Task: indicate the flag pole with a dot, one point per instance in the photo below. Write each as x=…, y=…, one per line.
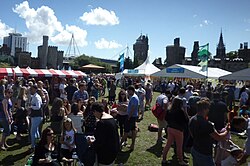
x=207, y=62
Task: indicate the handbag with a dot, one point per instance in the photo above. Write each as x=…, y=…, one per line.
x=158, y=112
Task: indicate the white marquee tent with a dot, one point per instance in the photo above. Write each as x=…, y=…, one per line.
x=188, y=71
x=145, y=69
x=243, y=75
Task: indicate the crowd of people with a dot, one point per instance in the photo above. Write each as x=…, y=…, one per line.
x=201, y=122
x=196, y=117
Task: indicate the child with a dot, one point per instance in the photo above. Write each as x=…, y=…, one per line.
x=67, y=141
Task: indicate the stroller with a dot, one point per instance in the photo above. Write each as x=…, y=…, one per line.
x=85, y=154
x=227, y=153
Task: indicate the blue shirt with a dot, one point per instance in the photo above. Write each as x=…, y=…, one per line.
x=80, y=95
x=134, y=101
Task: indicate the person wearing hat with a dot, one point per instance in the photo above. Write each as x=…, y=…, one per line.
x=106, y=142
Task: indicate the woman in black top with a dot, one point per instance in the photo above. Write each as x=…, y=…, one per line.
x=21, y=113
x=176, y=118
x=57, y=115
x=106, y=144
x=46, y=153
x=89, y=117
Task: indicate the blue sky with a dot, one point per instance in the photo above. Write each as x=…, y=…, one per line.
x=103, y=28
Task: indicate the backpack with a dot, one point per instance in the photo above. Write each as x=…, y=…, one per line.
x=158, y=112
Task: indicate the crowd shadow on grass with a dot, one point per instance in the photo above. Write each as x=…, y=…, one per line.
x=122, y=157
x=156, y=149
x=11, y=159
x=15, y=145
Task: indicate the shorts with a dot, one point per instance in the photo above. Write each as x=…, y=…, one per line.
x=130, y=124
x=162, y=124
x=6, y=127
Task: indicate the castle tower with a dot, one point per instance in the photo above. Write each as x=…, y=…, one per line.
x=140, y=50
x=175, y=54
x=43, y=53
x=221, y=50
x=194, y=54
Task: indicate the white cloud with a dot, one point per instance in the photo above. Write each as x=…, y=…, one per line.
x=100, y=16
x=195, y=15
x=104, y=44
x=39, y=22
x=248, y=30
x=64, y=37
x=5, y=29
x=42, y=21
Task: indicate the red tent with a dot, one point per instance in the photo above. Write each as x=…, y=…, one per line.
x=6, y=72
x=26, y=72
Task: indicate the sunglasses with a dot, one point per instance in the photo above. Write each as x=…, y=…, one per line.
x=123, y=94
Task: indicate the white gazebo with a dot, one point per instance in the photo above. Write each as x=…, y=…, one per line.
x=145, y=69
x=188, y=71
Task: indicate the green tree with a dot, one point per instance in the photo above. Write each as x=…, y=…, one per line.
x=85, y=60
x=232, y=54
x=5, y=65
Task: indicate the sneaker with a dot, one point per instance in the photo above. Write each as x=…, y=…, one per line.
x=186, y=156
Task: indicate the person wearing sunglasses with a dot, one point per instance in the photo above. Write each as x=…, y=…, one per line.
x=46, y=152
x=6, y=118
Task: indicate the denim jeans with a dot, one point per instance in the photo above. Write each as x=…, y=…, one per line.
x=201, y=159
x=34, y=130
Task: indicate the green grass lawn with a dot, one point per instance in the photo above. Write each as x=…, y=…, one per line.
x=146, y=152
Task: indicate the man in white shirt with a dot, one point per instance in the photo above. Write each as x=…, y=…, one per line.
x=62, y=86
x=35, y=115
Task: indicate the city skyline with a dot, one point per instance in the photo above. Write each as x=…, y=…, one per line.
x=104, y=28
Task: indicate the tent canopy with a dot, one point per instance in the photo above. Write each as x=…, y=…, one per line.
x=188, y=71
x=145, y=69
x=26, y=72
x=91, y=66
x=238, y=75
x=5, y=72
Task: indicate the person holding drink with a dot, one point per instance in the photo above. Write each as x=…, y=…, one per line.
x=46, y=151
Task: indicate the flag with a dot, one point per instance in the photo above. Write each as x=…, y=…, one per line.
x=121, y=60
x=203, y=55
